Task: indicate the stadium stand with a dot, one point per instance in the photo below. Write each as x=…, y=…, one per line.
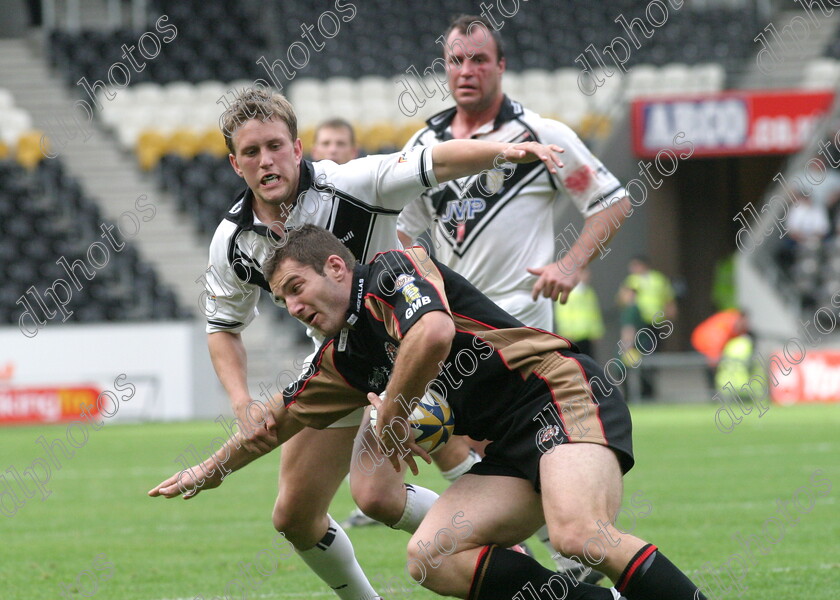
x=45, y=197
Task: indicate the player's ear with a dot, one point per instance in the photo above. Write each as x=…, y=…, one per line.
x=298, y=150
x=235, y=165
x=335, y=265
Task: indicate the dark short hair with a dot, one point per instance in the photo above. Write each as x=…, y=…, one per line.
x=463, y=22
x=310, y=246
x=336, y=123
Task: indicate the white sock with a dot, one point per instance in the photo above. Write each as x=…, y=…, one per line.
x=455, y=472
x=563, y=563
x=418, y=501
x=332, y=559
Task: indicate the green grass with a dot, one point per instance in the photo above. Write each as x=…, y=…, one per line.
x=703, y=487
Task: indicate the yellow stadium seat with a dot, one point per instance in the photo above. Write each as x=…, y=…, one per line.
x=183, y=142
x=406, y=130
x=307, y=137
x=151, y=146
x=4, y=150
x=28, y=150
x=213, y=142
x=594, y=125
x=375, y=137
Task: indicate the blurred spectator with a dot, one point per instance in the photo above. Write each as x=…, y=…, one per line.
x=335, y=140
x=580, y=318
x=738, y=362
x=646, y=296
x=723, y=285
x=654, y=292
x=808, y=221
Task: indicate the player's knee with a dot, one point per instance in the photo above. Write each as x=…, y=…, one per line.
x=572, y=540
x=298, y=529
x=380, y=499
x=384, y=508
x=421, y=564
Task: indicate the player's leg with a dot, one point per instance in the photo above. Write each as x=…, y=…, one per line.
x=312, y=466
x=581, y=494
x=453, y=459
x=379, y=491
x=459, y=549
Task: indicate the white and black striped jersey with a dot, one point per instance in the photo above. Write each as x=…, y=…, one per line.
x=358, y=202
x=490, y=227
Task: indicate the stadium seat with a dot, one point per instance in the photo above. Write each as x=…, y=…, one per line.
x=7, y=101
x=183, y=142
x=28, y=152
x=151, y=146
x=821, y=73
x=213, y=142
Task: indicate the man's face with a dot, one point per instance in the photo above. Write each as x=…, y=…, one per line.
x=268, y=159
x=318, y=301
x=637, y=267
x=333, y=143
x=475, y=82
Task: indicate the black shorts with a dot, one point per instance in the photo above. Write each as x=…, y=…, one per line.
x=560, y=409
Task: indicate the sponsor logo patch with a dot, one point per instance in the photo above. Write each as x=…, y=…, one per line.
x=549, y=433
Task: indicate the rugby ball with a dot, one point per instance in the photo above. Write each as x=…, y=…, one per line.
x=432, y=421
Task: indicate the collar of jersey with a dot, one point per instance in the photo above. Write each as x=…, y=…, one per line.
x=357, y=294
x=439, y=123
x=245, y=217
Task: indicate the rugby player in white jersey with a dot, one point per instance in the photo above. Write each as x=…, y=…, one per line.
x=358, y=202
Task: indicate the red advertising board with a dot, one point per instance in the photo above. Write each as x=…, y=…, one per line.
x=815, y=380
x=20, y=405
x=743, y=123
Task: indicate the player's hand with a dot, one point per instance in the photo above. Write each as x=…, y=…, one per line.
x=188, y=482
x=257, y=432
x=394, y=449
x=553, y=282
x=527, y=152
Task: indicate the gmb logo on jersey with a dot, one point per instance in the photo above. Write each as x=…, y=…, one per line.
x=416, y=305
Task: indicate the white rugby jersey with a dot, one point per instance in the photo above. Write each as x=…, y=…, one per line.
x=489, y=228
x=358, y=202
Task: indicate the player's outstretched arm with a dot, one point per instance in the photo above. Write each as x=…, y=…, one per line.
x=557, y=279
x=227, y=352
x=232, y=456
x=459, y=158
x=423, y=347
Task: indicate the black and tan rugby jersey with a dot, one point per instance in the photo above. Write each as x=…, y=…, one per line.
x=497, y=371
x=491, y=227
x=358, y=202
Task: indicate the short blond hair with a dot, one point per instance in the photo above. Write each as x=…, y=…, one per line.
x=254, y=103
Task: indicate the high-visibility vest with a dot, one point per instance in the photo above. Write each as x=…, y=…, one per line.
x=736, y=364
x=653, y=292
x=580, y=318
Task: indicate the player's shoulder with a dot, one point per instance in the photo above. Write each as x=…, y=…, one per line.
x=546, y=127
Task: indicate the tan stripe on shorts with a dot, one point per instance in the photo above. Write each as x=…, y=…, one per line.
x=572, y=398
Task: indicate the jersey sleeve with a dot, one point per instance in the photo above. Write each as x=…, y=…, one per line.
x=391, y=181
x=416, y=217
x=229, y=303
x=408, y=286
x=584, y=178
x=321, y=395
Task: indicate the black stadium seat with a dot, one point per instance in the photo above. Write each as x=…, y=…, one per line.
x=33, y=236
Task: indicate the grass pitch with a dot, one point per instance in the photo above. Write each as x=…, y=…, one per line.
x=698, y=494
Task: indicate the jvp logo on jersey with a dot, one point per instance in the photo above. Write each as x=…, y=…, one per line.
x=463, y=210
